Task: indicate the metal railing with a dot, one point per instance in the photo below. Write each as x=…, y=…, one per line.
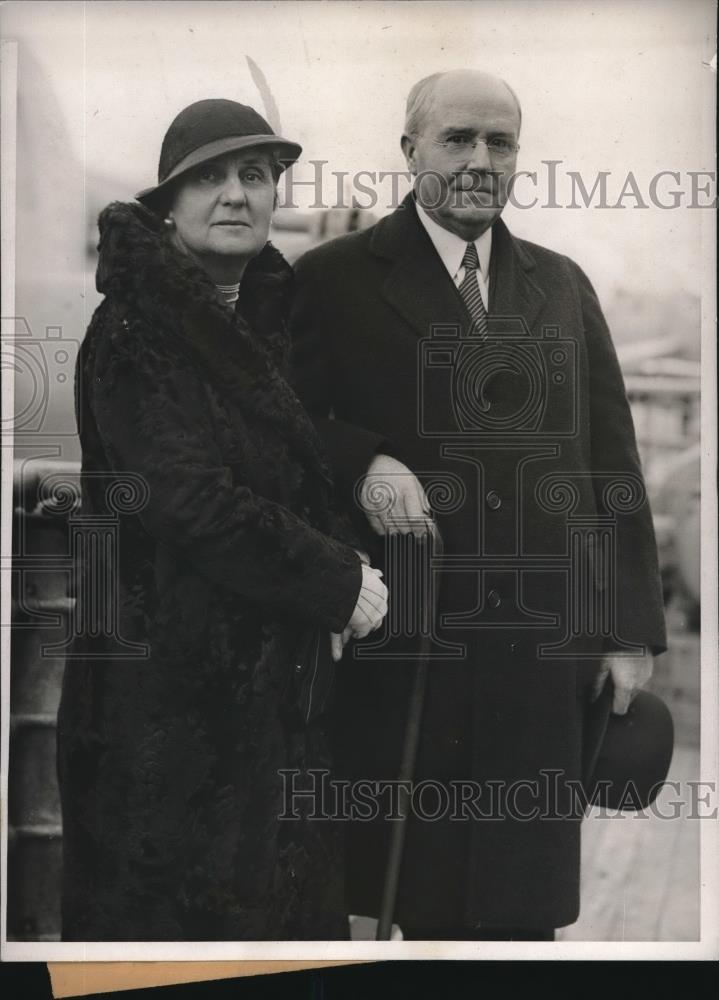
x=42, y=605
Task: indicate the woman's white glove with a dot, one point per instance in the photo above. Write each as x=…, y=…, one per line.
x=370, y=609
x=371, y=606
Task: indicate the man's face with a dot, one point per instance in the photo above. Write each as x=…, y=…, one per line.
x=463, y=184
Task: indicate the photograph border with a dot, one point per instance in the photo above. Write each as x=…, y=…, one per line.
x=191, y=951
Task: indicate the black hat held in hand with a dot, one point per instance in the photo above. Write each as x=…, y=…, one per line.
x=627, y=757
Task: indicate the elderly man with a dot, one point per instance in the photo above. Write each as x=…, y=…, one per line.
x=469, y=376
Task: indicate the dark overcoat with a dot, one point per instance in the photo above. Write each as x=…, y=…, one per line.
x=525, y=446
x=205, y=546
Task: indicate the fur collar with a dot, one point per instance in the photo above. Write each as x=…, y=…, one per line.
x=244, y=352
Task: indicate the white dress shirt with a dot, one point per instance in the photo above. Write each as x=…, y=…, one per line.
x=451, y=251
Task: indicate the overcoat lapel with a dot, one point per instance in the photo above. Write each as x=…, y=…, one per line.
x=417, y=284
x=420, y=289
x=512, y=290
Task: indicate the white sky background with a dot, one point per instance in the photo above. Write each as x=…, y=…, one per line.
x=604, y=86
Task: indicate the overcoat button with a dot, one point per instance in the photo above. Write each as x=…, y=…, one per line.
x=494, y=501
x=493, y=599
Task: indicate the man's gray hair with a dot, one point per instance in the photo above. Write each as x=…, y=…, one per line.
x=419, y=102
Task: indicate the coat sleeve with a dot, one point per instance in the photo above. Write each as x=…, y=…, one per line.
x=636, y=581
x=153, y=418
x=350, y=447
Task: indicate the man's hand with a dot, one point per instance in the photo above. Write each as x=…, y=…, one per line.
x=629, y=675
x=393, y=500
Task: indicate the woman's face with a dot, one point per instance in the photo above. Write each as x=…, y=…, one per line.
x=222, y=208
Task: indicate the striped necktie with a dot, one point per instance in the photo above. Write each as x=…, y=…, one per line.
x=469, y=290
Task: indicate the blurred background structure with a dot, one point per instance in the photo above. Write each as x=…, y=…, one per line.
x=97, y=86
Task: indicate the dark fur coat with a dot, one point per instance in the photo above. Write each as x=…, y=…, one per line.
x=205, y=479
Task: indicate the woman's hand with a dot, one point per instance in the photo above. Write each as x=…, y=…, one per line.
x=369, y=612
x=371, y=606
x=339, y=641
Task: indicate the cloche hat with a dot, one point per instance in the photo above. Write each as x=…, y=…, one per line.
x=207, y=129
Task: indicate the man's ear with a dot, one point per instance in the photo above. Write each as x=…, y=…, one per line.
x=408, y=148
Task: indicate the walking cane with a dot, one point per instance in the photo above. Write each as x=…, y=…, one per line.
x=409, y=758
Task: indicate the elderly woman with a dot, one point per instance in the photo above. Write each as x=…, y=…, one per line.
x=230, y=571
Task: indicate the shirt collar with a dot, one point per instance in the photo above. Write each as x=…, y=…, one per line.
x=451, y=248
